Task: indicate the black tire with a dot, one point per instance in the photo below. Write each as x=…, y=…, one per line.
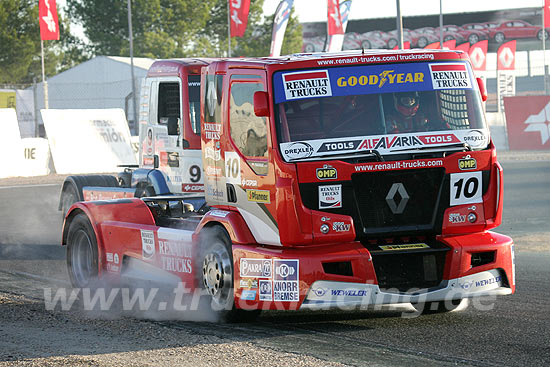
x=499, y=37
x=473, y=38
x=539, y=35
x=82, y=254
x=429, y=308
x=392, y=42
x=366, y=45
x=309, y=48
x=216, y=276
x=448, y=38
x=69, y=197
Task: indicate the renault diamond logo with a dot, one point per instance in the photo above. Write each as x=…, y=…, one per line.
x=390, y=198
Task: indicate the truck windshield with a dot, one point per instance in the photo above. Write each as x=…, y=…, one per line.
x=388, y=108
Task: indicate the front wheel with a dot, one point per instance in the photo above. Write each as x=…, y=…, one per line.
x=540, y=33
x=217, y=275
x=499, y=37
x=82, y=255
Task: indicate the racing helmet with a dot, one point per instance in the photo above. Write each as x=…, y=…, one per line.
x=407, y=103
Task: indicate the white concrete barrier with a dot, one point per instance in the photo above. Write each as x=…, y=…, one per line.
x=36, y=157
x=10, y=147
x=88, y=141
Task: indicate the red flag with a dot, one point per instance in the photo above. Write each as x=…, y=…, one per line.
x=506, y=56
x=478, y=55
x=238, y=12
x=334, y=18
x=463, y=47
x=47, y=18
x=546, y=13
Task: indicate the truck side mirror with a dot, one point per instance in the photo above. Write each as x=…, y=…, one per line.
x=261, y=104
x=173, y=126
x=482, y=89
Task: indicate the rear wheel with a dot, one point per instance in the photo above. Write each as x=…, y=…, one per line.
x=82, y=255
x=499, y=37
x=69, y=198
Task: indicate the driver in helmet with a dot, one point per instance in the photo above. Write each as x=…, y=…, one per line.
x=406, y=117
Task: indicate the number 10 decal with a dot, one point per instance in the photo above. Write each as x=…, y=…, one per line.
x=233, y=168
x=466, y=188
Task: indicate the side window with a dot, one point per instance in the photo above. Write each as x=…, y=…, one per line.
x=168, y=102
x=194, y=91
x=248, y=131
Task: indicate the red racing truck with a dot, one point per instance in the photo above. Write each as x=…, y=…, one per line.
x=331, y=180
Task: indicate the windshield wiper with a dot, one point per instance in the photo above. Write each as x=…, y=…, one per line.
x=456, y=146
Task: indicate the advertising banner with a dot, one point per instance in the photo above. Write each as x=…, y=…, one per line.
x=10, y=149
x=528, y=122
x=279, y=26
x=88, y=141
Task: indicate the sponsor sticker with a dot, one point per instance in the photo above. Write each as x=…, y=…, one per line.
x=297, y=150
x=147, y=244
x=211, y=153
x=212, y=130
x=248, y=283
x=266, y=290
x=408, y=246
x=467, y=163
x=285, y=280
x=450, y=76
x=330, y=196
x=349, y=292
x=219, y=213
x=307, y=84
x=457, y=218
x=466, y=188
x=109, y=257
x=327, y=172
x=255, y=268
x=248, y=295
x=176, y=255
x=476, y=139
x=112, y=268
x=186, y=187
x=258, y=196
x=116, y=259
x=340, y=227
x=173, y=159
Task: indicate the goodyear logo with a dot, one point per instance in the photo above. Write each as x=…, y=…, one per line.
x=467, y=163
x=409, y=246
x=327, y=173
x=386, y=76
x=258, y=196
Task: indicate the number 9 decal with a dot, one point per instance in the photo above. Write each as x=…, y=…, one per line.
x=466, y=188
x=195, y=173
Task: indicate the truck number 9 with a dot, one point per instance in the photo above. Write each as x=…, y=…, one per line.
x=195, y=172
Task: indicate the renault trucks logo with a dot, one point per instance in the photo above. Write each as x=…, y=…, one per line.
x=397, y=202
x=450, y=76
x=385, y=77
x=307, y=84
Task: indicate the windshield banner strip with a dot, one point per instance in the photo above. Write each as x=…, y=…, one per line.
x=384, y=144
x=369, y=79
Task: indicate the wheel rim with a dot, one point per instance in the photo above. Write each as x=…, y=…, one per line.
x=82, y=258
x=422, y=42
x=499, y=37
x=217, y=275
x=474, y=38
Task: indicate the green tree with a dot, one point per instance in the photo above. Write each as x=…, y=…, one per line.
x=20, y=54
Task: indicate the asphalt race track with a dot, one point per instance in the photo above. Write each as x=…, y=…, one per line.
x=512, y=330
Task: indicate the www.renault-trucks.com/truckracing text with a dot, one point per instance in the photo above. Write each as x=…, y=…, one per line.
x=330, y=181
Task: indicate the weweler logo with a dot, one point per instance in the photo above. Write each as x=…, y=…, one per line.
x=307, y=84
